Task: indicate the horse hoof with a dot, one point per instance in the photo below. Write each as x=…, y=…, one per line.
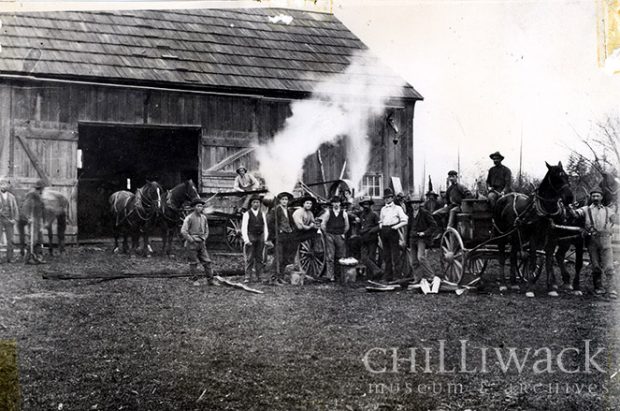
x=503, y=288
x=578, y=293
x=529, y=294
x=553, y=294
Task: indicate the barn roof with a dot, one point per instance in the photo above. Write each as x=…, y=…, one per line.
x=231, y=49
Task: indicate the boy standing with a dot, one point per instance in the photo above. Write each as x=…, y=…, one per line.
x=195, y=230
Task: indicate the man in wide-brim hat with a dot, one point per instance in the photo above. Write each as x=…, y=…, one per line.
x=9, y=214
x=432, y=202
x=303, y=219
x=334, y=224
x=281, y=234
x=368, y=232
x=245, y=181
x=599, y=223
x=499, y=179
x=195, y=231
x=422, y=226
x=391, y=219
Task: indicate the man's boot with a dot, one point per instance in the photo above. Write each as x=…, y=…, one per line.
x=193, y=272
x=209, y=274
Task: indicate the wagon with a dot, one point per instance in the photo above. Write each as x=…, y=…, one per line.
x=224, y=210
x=465, y=251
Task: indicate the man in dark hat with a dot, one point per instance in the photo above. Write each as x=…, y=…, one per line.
x=9, y=214
x=334, y=224
x=195, y=230
x=599, y=221
x=422, y=226
x=391, y=219
x=432, y=203
x=369, y=240
x=499, y=179
x=255, y=234
x=455, y=194
x=281, y=233
x=32, y=213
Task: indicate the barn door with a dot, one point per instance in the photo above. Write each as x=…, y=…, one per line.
x=221, y=153
x=50, y=155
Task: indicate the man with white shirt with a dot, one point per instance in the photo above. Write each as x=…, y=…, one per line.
x=9, y=213
x=392, y=218
x=255, y=233
x=599, y=226
x=334, y=224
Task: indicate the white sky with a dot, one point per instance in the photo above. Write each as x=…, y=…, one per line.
x=488, y=70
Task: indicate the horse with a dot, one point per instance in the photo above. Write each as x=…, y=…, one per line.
x=519, y=219
x=41, y=210
x=577, y=240
x=172, y=217
x=136, y=214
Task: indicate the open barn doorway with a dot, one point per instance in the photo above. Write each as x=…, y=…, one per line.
x=119, y=157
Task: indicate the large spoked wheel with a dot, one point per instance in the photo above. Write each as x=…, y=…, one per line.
x=523, y=266
x=477, y=264
x=311, y=255
x=234, y=239
x=452, y=255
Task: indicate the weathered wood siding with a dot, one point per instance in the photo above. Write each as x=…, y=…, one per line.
x=46, y=117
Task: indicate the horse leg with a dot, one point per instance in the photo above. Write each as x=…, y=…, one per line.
x=501, y=258
x=61, y=228
x=560, y=255
x=50, y=238
x=551, y=282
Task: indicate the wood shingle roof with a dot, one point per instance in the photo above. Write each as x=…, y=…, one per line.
x=230, y=49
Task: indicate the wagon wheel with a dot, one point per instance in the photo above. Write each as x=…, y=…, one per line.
x=234, y=239
x=452, y=256
x=523, y=266
x=311, y=255
x=477, y=264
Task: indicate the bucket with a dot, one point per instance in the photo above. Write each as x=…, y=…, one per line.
x=297, y=278
x=350, y=274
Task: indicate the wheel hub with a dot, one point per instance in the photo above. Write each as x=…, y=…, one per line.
x=449, y=257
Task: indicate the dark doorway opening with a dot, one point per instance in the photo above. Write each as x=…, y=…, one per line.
x=117, y=157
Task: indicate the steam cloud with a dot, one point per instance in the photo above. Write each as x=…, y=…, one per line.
x=340, y=107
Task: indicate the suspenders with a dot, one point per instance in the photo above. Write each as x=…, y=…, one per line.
x=592, y=220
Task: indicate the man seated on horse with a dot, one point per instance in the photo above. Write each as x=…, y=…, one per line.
x=599, y=221
x=455, y=194
x=9, y=213
x=499, y=179
x=245, y=181
x=195, y=230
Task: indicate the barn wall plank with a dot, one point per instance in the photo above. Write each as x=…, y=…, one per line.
x=5, y=129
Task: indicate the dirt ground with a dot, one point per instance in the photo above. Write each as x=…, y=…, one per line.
x=165, y=344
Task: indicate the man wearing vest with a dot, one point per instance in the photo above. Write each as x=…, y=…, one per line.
x=195, y=230
x=8, y=216
x=599, y=225
x=255, y=234
x=421, y=228
x=335, y=224
x=281, y=233
x=455, y=194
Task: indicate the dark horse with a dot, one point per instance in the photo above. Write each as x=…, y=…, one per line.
x=41, y=209
x=172, y=217
x=521, y=220
x=136, y=214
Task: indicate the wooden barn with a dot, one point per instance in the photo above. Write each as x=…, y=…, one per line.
x=94, y=102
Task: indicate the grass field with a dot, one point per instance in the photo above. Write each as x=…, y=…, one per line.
x=164, y=344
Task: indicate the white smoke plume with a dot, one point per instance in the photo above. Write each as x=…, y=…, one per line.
x=340, y=107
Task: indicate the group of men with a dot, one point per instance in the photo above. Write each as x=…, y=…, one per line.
x=10, y=215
